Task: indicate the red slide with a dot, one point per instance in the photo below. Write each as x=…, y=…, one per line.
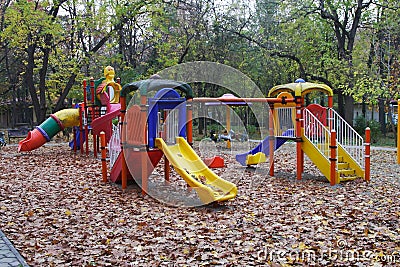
x=103, y=123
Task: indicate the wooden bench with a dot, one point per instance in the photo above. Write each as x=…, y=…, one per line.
x=21, y=132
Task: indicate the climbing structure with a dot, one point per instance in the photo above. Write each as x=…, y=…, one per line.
x=93, y=115
x=338, y=151
x=162, y=126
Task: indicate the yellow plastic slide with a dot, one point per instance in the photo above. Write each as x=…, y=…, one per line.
x=209, y=186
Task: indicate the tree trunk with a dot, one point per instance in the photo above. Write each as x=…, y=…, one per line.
x=68, y=86
x=340, y=103
x=39, y=107
x=382, y=120
x=364, y=107
x=349, y=109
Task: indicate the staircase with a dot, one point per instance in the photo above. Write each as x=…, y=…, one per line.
x=350, y=145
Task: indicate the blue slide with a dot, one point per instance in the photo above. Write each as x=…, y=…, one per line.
x=263, y=146
x=78, y=139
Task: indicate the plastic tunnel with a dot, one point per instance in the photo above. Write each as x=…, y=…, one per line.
x=49, y=128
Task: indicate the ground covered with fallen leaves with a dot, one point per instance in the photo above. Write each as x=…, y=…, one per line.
x=57, y=212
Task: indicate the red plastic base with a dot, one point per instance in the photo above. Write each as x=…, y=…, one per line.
x=133, y=159
x=215, y=162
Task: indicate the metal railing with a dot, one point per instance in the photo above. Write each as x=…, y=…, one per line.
x=317, y=133
x=347, y=137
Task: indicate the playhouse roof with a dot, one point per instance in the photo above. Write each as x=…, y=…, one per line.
x=300, y=89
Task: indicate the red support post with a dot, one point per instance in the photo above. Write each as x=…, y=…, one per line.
x=367, y=167
x=167, y=170
x=92, y=93
x=272, y=141
x=103, y=156
x=82, y=116
x=189, y=126
x=165, y=128
x=81, y=125
x=124, y=167
x=144, y=156
x=84, y=91
x=91, y=107
x=299, y=151
x=333, y=159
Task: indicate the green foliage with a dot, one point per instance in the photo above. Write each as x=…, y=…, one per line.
x=26, y=25
x=376, y=133
x=361, y=124
x=371, y=88
x=252, y=130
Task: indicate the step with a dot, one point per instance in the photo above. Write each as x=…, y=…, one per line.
x=348, y=178
x=343, y=165
x=346, y=172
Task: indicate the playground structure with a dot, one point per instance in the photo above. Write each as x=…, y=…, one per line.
x=338, y=151
x=161, y=126
x=141, y=143
x=99, y=107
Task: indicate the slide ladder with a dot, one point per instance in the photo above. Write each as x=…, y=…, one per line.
x=316, y=139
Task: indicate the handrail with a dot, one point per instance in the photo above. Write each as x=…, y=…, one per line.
x=347, y=136
x=317, y=133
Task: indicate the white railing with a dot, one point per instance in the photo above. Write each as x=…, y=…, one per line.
x=346, y=136
x=172, y=125
x=284, y=119
x=114, y=146
x=317, y=133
